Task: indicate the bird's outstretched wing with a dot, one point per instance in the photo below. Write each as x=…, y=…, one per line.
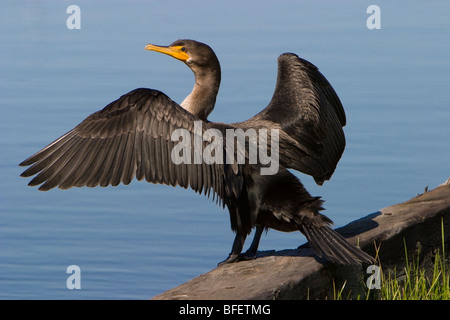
x=130, y=137
x=310, y=116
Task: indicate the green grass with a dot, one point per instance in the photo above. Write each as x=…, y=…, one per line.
x=413, y=282
x=416, y=283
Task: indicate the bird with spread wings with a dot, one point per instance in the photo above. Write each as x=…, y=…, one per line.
x=132, y=138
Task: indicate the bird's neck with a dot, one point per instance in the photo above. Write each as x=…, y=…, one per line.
x=200, y=102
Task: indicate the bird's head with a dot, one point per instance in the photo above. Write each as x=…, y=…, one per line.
x=203, y=62
x=195, y=54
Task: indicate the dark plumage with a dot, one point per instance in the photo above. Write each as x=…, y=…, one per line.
x=132, y=137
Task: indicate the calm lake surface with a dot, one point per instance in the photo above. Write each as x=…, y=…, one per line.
x=133, y=242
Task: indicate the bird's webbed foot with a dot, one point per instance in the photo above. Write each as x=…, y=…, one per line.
x=234, y=257
x=250, y=254
x=236, y=250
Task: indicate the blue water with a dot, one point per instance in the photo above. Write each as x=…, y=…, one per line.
x=133, y=242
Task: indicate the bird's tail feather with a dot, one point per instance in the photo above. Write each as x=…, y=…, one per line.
x=331, y=245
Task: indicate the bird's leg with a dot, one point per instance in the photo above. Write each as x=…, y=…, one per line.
x=251, y=252
x=236, y=250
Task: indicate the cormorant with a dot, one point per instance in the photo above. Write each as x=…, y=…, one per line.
x=134, y=137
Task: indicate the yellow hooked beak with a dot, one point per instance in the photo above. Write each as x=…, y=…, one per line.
x=178, y=52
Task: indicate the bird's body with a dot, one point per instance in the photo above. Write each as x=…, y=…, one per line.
x=133, y=137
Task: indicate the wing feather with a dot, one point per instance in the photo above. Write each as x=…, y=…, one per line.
x=130, y=137
x=310, y=116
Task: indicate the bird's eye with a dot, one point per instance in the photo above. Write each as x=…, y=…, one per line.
x=183, y=49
